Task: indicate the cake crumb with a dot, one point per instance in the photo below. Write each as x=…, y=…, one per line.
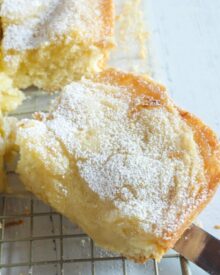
x=217, y=226
x=131, y=25
x=13, y=223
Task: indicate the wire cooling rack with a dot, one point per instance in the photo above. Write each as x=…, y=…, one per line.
x=36, y=240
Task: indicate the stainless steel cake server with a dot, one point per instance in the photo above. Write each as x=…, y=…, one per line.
x=201, y=248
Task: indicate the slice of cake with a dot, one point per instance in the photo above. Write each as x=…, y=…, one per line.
x=50, y=43
x=116, y=156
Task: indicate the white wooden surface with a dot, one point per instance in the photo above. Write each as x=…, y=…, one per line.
x=183, y=53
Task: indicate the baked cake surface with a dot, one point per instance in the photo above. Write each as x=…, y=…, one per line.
x=50, y=43
x=116, y=156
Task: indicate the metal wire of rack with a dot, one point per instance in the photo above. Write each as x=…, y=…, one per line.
x=92, y=262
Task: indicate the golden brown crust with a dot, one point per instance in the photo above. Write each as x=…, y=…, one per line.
x=210, y=150
x=209, y=147
x=139, y=83
x=153, y=94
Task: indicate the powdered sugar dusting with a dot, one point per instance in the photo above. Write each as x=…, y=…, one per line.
x=128, y=159
x=35, y=23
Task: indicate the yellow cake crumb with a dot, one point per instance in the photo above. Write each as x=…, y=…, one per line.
x=131, y=24
x=10, y=97
x=7, y=145
x=217, y=226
